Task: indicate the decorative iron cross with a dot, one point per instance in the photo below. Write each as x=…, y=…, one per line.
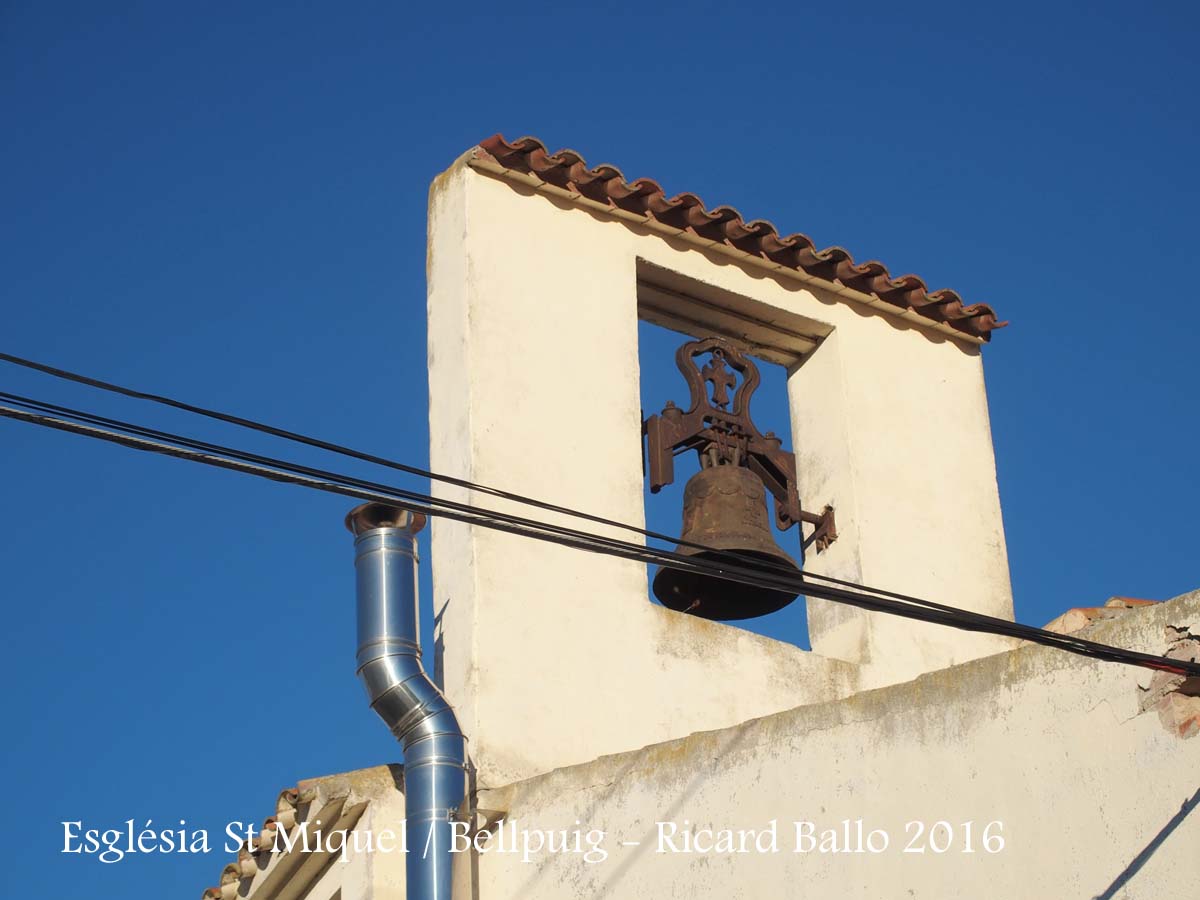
x=720, y=377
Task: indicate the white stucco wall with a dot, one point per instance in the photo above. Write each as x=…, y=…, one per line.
x=1096, y=799
x=553, y=657
x=1071, y=789
x=892, y=428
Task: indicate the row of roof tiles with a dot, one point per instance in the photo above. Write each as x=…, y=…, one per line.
x=263, y=871
x=606, y=184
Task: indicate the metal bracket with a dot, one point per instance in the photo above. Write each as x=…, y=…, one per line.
x=825, y=532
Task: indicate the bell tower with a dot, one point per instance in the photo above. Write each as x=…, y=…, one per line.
x=539, y=269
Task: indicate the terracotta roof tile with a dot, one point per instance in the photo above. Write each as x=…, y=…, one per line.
x=606, y=184
x=1081, y=617
x=261, y=871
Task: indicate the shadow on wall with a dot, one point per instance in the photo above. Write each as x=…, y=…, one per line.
x=1142, y=858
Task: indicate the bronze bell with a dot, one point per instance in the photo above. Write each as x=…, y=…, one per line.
x=724, y=507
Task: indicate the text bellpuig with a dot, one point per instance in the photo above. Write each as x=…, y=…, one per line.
x=510, y=837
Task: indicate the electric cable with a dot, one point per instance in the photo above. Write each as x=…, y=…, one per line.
x=865, y=598
x=958, y=618
x=399, y=493
x=718, y=557
x=375, y=459
x=955, y=617
x=296, y=437
x=318, y=443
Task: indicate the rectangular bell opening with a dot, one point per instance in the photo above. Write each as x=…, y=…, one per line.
x=662, y=381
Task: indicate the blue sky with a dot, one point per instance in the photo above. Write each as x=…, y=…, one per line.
x=226, y=203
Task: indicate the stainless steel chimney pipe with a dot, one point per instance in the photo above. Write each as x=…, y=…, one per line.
x=410, y=704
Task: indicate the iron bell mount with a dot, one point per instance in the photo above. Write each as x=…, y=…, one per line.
x=724, y=503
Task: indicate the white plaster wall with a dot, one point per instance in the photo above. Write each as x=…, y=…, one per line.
x=383, y=874
x=1091, y=793
x=908, y=458
x=552, y=656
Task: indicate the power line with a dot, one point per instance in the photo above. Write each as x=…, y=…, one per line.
x=138, y=437
x=726, y=556
x=958, y=618
x=733, y=557
x=718, y=557
x=310, y=441
x=398, y=494
x=375, y=459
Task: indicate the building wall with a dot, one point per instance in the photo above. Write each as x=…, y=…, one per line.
x=553, y=657
x=893, y=429
x=1097, y=799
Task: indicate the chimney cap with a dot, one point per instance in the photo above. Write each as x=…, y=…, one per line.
x=372, y=516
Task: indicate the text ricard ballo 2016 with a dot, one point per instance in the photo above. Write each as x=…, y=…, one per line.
x=529, y=844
